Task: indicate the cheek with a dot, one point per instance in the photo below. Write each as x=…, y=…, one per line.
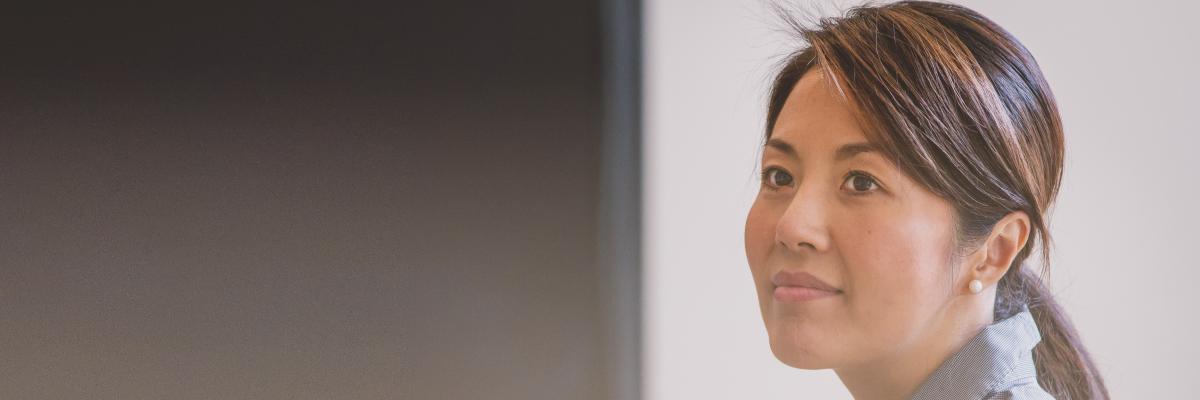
x=894, y=261
x=759, y=234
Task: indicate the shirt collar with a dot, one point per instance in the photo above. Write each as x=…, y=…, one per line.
x=987, y=362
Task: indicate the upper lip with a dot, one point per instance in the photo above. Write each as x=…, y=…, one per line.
x=802, y=279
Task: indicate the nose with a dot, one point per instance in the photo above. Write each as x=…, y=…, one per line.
x=803, y=223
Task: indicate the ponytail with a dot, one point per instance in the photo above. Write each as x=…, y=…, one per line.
x=1064, y=367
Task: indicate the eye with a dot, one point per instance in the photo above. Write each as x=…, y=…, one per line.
x=774, y=177
x=860, y=183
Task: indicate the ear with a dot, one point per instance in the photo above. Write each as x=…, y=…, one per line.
x=995, y=256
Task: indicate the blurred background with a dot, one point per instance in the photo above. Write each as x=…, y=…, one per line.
x=304, y=201
x=447, y=200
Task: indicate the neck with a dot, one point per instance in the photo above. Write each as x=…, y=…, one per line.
x=900, y=374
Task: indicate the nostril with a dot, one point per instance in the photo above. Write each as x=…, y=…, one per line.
x=801, y=244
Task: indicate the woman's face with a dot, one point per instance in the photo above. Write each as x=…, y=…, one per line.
x=846, y=215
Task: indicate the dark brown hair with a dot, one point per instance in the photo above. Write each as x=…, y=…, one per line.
x=961, y=106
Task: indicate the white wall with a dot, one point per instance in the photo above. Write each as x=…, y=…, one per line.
x=1125, y=222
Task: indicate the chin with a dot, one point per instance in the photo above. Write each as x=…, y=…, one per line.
x=801, y=361
x=797, y=354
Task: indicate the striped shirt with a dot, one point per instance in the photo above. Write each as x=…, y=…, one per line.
x=996, y=364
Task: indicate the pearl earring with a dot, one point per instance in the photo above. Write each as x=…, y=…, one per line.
x=976, y=286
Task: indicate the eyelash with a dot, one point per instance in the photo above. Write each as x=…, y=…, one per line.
x=766, y=173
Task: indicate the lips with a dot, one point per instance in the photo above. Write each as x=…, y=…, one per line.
x=801, y=279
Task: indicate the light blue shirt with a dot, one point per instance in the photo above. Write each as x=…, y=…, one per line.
x=996, y=364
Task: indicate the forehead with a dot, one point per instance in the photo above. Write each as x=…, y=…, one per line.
x=815, y=114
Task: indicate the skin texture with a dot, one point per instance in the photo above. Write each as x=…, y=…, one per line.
x=886, y=242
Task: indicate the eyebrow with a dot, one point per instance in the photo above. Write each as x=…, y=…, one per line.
x=842, y=153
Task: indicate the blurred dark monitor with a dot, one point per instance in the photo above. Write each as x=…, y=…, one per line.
x=303, y=201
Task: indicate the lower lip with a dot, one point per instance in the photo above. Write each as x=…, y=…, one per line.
x=796, y=293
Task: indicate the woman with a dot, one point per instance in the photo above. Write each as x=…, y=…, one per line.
x=912, y=152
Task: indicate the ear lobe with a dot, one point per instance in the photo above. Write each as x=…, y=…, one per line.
x=1007, y=239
